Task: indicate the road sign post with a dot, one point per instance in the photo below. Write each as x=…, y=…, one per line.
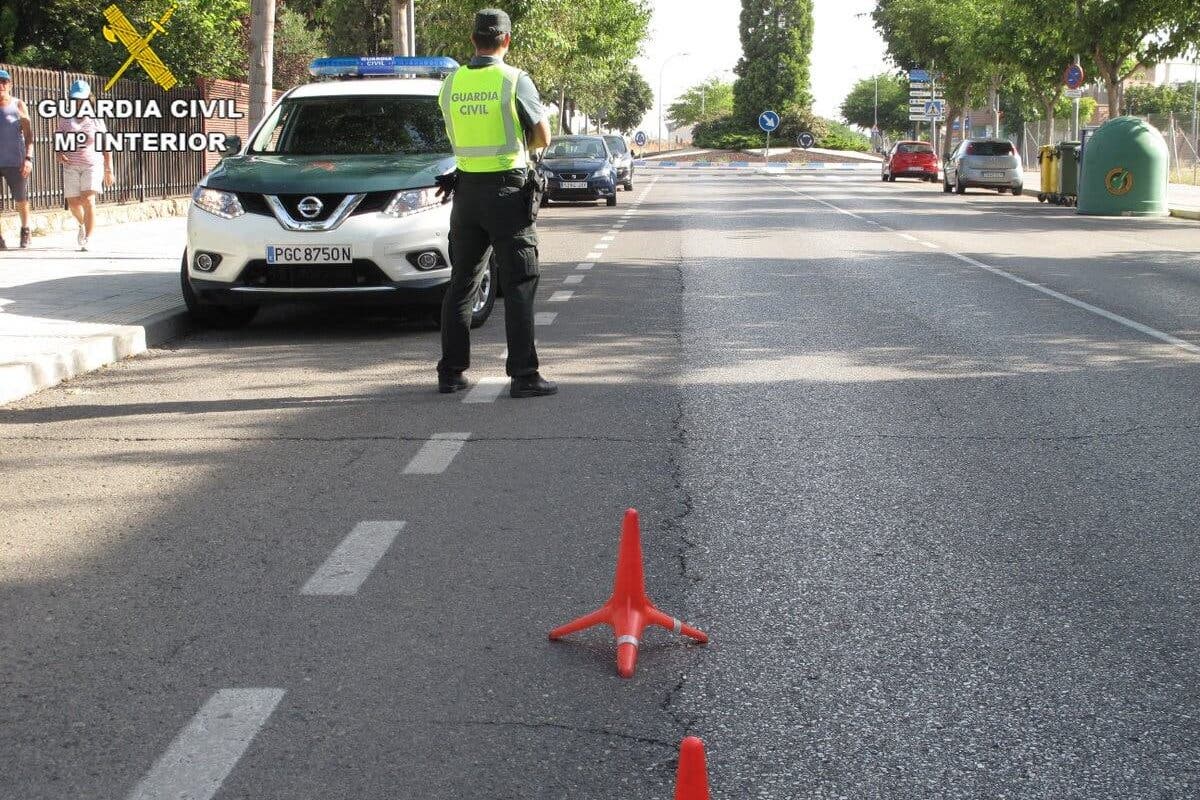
x=768, y=121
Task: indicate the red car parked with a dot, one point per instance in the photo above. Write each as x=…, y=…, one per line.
x=911, y=160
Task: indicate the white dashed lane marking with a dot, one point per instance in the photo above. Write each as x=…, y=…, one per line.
x=602, y=246
x=204, y=753
x=586, y=265
x=487, y=390
x=573, y=279
x=608, y=238
x=543, y=318
x=594, y=256
x=435, y=455
x=353, y=560
x=561, y=296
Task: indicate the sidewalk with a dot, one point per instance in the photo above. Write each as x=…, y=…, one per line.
x=1182, y=199
x=64, y=313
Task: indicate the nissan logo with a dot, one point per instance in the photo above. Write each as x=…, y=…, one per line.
x=309, y=207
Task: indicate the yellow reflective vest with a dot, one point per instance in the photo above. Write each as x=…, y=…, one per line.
x=480, y=109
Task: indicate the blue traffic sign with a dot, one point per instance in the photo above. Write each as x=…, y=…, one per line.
x=768, y=121
x=640, y=138
x=1073, y=76
x=918, y=75
x=935, y=109
x=806, y=140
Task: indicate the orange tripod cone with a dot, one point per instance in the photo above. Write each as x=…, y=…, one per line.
x=629, y=611
x=691, y=781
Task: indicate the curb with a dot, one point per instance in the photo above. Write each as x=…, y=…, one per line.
x=22, y=378
x=1186, y=213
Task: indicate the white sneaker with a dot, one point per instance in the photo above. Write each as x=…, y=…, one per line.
x=81, y=238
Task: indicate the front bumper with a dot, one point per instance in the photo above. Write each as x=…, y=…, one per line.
x=597, y=189
x=381, y=247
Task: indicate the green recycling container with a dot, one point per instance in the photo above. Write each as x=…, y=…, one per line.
x=1068, y=172
x=1124, y=171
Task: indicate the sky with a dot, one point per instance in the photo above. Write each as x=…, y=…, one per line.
x=845, y=48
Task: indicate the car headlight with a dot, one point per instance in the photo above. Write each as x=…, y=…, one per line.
x=223, y=204
x=412, y=201
x=603, y=172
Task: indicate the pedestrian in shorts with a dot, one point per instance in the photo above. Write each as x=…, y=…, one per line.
x=16, y=152
x=86, y=171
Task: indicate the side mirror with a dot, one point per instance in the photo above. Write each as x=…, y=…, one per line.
x=233, y=146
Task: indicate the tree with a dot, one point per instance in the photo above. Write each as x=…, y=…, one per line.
x=703, y=102
x=634, y=99
x=1121, y=36
x=773, y=71
x=358, y=27
x=296, y=45
x=859, y=106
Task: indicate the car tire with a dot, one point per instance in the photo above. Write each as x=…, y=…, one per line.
x=960, y=187
x=210, y=315
x=487, y=296
x=946, y=187
x=611, y=201
x=892, y=178
x=883, y=177
x=1018, y=191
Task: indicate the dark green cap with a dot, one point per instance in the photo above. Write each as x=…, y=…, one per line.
x=492, y=22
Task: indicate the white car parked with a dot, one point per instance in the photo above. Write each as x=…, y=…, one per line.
x=332, y=199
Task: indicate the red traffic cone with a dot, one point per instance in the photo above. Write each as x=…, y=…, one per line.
x=691, y=781
x=628, y=612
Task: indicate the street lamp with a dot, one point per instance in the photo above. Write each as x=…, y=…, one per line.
x=661, y=73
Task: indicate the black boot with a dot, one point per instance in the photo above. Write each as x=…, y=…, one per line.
x=532, y=386
x=451, y=383
x=25, y=237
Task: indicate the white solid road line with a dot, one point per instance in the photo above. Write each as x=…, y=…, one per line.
x=594, y=256
x=1146, y=330
x=204, y=753
x=353, y=560
x=561, y=296
x=1153, y=333
x=586, y=265
x=486, y=390
x=435, y=455
x=608, y=238
x=573, y=279
x=544, y=318
x=930, y=245
x=600, y=246
x=908, y=236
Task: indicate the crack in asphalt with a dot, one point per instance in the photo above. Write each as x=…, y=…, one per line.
x=562, y=726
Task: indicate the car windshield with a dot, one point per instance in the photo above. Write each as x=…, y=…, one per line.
x=990, y=149
x=346, y=126
x=576, y=148
x=615, y=143
x=915, y=148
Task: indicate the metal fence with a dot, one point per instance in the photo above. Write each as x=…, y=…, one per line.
x=139, y=175
x=1182, y=132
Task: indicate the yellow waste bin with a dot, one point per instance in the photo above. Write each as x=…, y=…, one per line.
x=1048, y=164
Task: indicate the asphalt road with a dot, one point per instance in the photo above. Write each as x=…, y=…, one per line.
x=922, y=466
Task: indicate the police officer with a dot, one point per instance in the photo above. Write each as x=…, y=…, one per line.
x=493, y=117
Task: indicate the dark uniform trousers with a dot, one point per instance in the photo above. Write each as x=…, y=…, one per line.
x=491, y=210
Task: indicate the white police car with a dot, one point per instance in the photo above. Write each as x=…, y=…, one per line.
x=332, y=199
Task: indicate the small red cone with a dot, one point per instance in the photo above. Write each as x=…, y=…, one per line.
x=629, y=611
x=691, y=781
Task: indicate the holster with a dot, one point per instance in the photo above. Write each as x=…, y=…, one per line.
x=534, y=189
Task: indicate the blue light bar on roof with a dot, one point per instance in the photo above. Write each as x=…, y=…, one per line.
x=365, y=66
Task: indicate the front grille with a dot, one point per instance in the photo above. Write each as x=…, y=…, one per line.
x=329, y=204
x=373, y=202
x=362, y=272
x=573, y=176
x=254, y=204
